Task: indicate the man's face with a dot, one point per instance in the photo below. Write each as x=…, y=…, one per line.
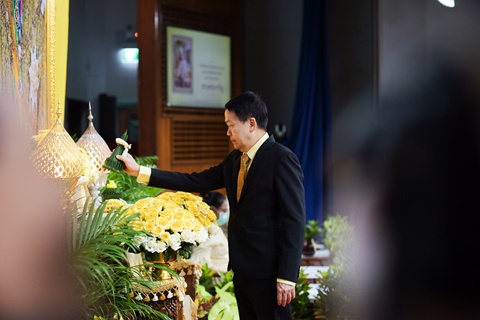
x=237, y=131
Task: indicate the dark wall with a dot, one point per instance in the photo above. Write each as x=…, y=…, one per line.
x=272, y=38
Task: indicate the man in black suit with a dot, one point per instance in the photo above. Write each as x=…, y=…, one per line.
x=267, y=219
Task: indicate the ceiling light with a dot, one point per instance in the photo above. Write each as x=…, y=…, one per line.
x=448, y=3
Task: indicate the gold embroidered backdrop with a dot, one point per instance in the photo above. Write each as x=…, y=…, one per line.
x=33, y=58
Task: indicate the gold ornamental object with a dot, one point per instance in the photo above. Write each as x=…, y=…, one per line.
x=58, y=158
x=97, y=151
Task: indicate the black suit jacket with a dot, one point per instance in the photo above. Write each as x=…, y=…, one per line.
x=267, y=225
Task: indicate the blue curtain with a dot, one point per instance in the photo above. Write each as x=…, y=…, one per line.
x=310, y=129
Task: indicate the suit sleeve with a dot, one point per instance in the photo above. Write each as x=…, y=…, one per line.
x=291, y=197
x=210, y=179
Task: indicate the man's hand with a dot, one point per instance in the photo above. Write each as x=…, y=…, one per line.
x=285, y=293
x=132, y=167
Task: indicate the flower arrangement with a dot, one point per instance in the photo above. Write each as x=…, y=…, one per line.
x=172, y=223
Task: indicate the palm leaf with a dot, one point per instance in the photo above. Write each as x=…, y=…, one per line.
x=99, y=242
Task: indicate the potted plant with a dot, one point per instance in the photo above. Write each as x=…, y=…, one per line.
x=312, y=231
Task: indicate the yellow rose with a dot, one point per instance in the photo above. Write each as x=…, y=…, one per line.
x=143, y=203
x=149, y=215
x=175, y=225
x=195, y=211
x=190, y=204
x=137, y=225
x=165, y=196
x=148, y=225
x=166, y=214
x=163, y=223
x=114, y=204
x=178, y=214
x=131, y=210
x=211, y=216
x=157, y=230
x=188, y=224
x=164, y=236
x=179, y=201
x=170, y=206
x=197, y=225
x=188, y=215
x=156, y=207
x=204, y=208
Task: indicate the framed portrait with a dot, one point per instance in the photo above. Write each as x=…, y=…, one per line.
x=198, y=68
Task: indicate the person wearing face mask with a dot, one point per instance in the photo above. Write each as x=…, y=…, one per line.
x=218, y=202
x=214, y=252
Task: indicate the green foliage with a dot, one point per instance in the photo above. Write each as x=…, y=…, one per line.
x=337, y=285
x=207, y=279
x=215, y=295
x=301, y=305
x=334, y=299
x=129, y=188
x=312, y=229
x=226, y=307
x=98, y=245
x=337, y=236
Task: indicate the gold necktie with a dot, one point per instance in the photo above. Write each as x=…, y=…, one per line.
x=242, y=174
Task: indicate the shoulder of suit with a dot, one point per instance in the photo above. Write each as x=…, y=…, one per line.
x=278, y=150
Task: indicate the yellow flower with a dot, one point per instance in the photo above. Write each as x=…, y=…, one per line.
x=131, y=210
x=148, y=225
x=188, y=215
x=137, y=225
x=204, y=208
x=111, y=184
x=197, y=225
x=170, y=206
x=178, y=214
x=157, y=230
x=114, y=204
x=163, y=223
x=150, y=215
x=211, y=216
x=179, y=201
x=188, y=224
x=164, y=236
x=143, y=203
x=175, y=225
x=195, y=211
x=166, y=214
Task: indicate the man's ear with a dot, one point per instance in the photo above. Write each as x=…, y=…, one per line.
x=253, y=123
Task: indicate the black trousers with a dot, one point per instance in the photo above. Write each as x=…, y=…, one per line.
x=257, y=300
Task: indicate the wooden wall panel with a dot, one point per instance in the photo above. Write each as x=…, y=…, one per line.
x=185, y=139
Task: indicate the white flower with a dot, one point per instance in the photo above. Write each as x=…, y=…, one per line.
x=140, y=239
x=151, y=245
x=188, y=236
x=175, y=241
x=213, y=229
x=202, y=235
x=161, y=246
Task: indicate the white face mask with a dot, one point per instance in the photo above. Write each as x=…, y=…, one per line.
x=223, y=217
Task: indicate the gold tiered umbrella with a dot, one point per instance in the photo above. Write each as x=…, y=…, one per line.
x=97, y=151
x=57, y=157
